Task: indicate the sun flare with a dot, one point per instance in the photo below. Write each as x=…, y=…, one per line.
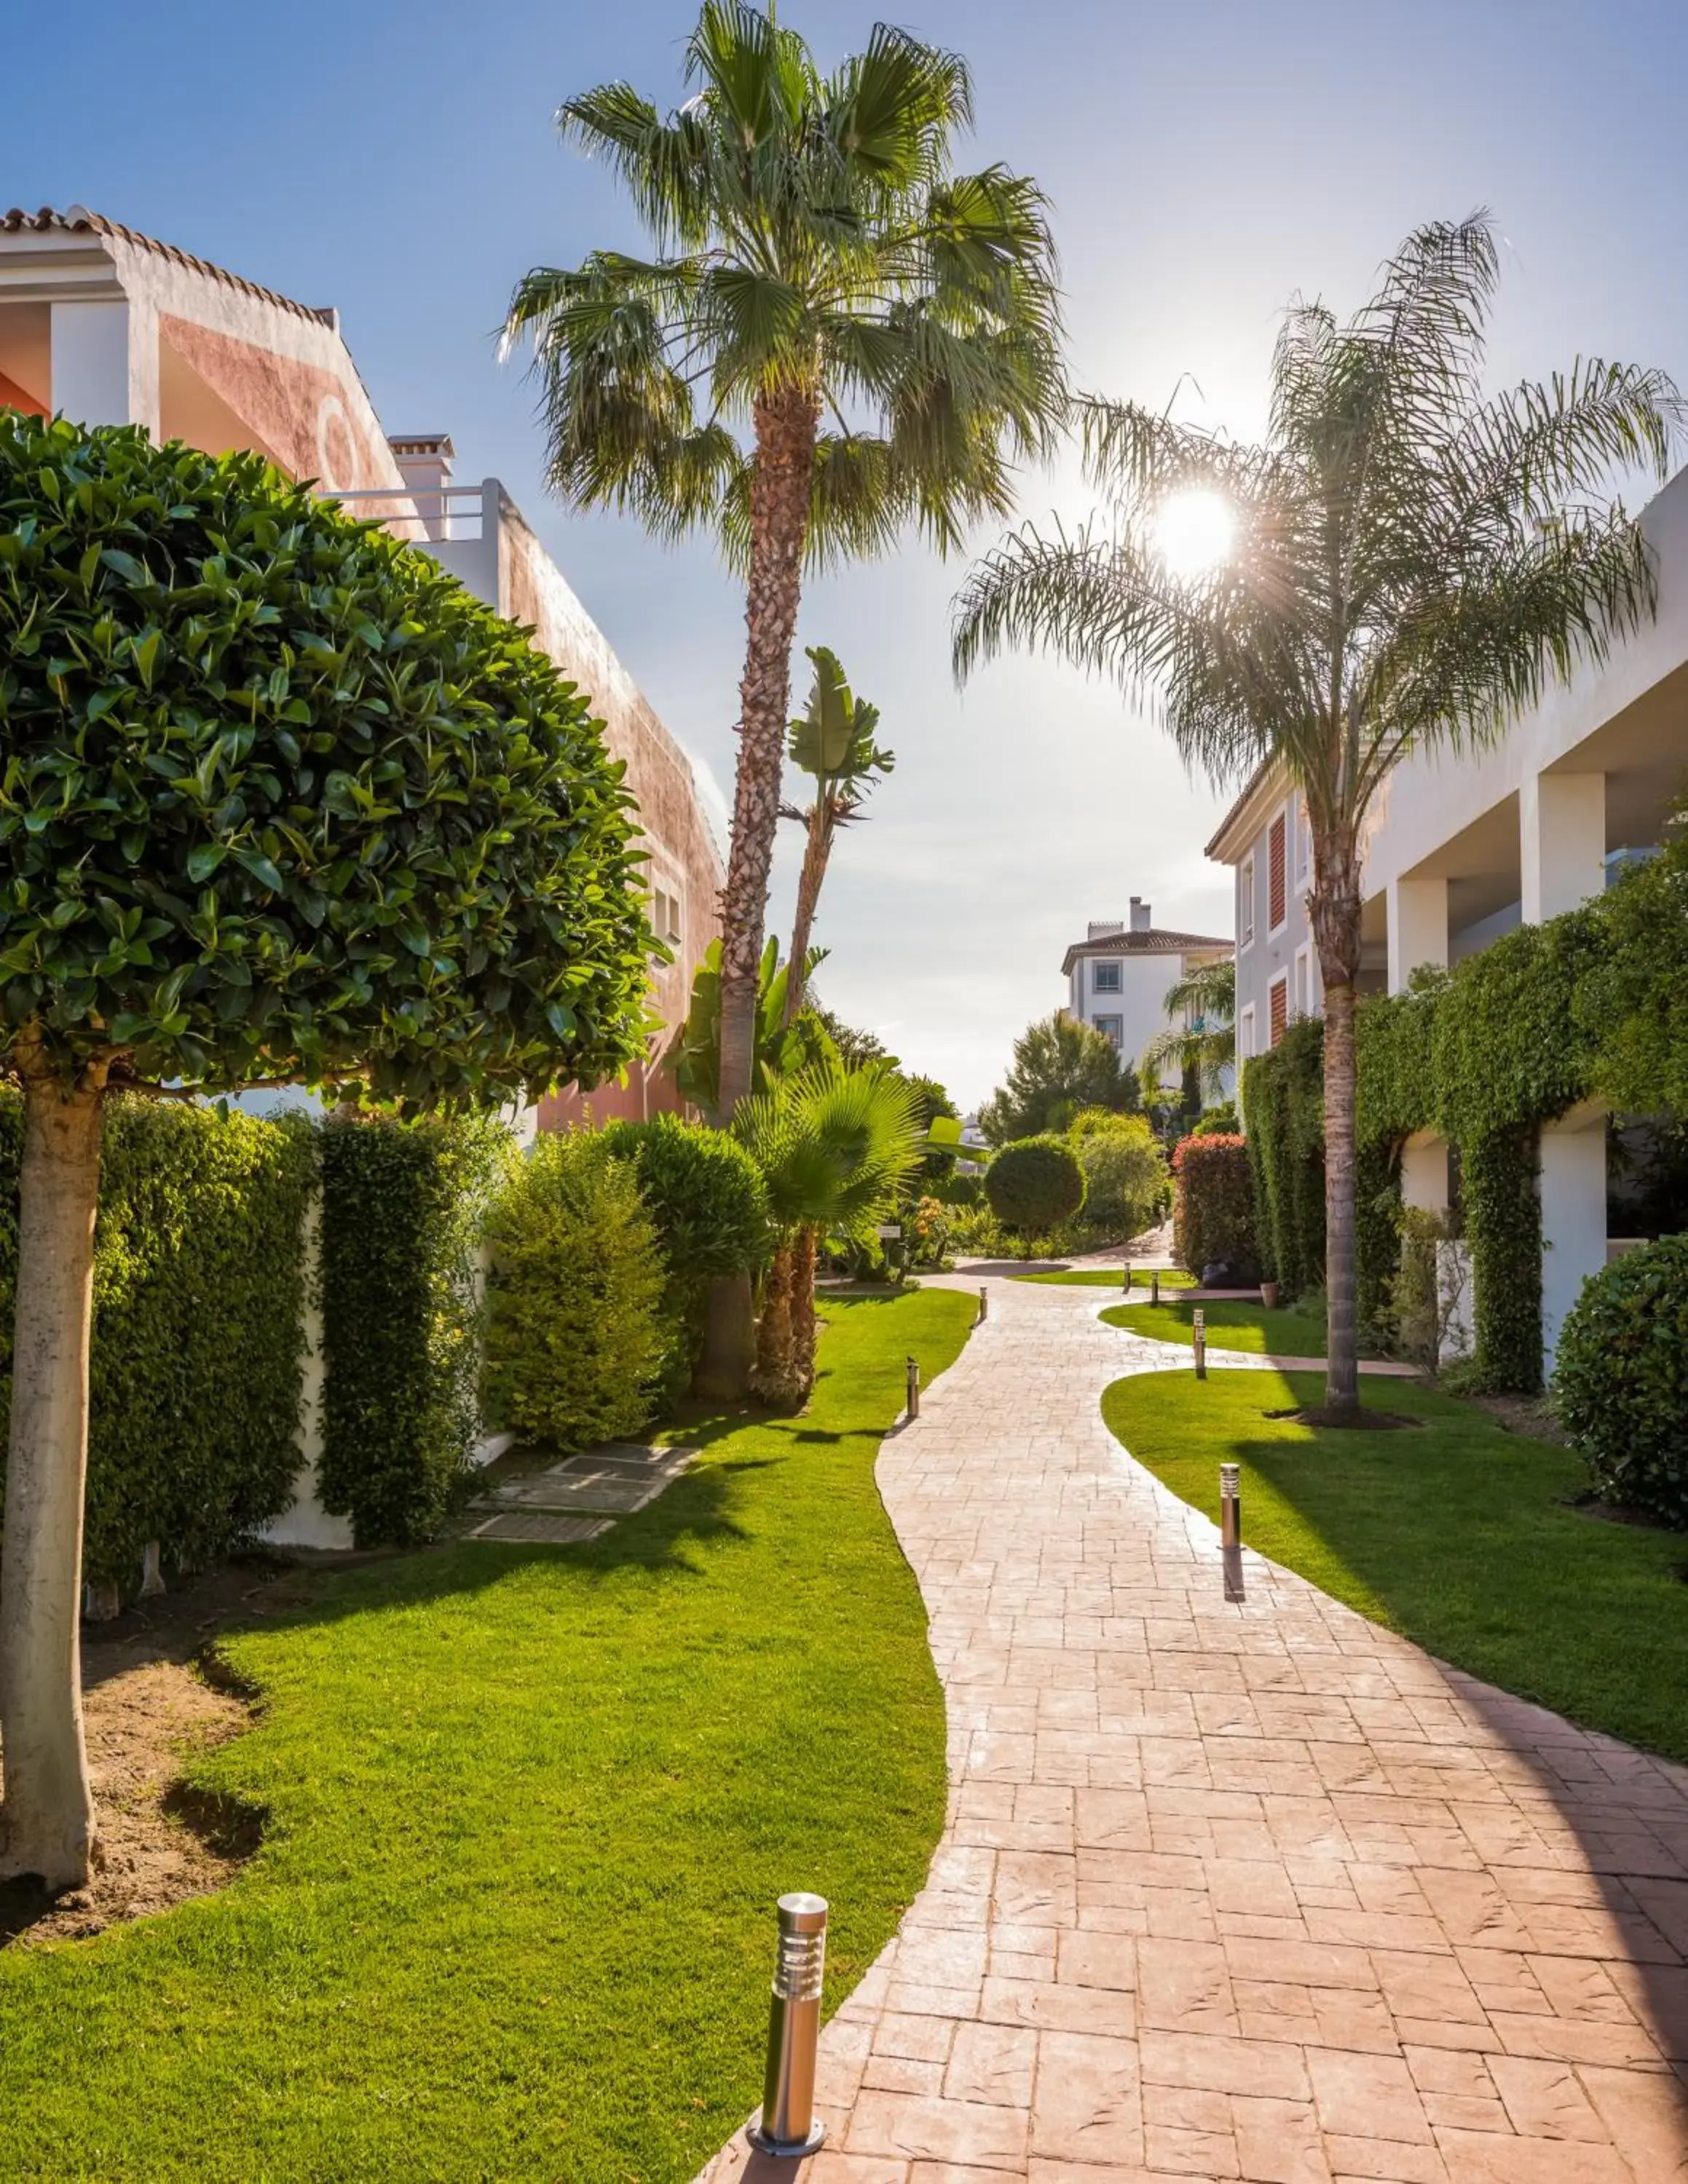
x=1193, y=531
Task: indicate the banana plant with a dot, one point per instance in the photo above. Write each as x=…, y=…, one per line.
x=782, y=1043
x=832, y=741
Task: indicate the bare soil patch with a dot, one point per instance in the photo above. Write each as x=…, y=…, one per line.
x=152, y=1694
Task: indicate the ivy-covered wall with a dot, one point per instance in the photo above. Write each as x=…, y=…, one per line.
x=1592, y=1004
x=196, y=1366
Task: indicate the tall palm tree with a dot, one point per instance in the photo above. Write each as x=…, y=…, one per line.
x=1412, y=562
x=835, y=1147
x=1200, y=1041
x=836, y=334
x=832, y=741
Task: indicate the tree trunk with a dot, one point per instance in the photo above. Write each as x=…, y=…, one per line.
x=1334, y=909
x=816, y=851
x=774, y=1375
x=803, y=1308
x=47, y=1822
x=780, y=483
x=728, y=1340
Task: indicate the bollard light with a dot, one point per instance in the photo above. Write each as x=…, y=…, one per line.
x=1125, y=1278
x=787, y=2124
x=1231, y=1528
x=1154, y=1287
x=1199, y=1328
x=984, y=1302
x=914, y=1389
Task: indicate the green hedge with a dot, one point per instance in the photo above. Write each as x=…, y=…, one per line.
x=1283, y=1103
x=1620, y=1380
x=195, y=1369
x=402, y=1207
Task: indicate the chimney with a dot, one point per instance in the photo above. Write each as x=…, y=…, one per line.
x=1140, y=910
x=424, y=460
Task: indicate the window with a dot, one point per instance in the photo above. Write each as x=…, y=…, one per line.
x=665, y=915
x=1277, y=887
x=1105, y=977
x=1279, y=997
x=1245, y=1033
x=1111, y=1028
x=1304, y=982
x=1245, y=905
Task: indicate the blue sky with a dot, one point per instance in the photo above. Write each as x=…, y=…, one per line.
x=1206, y=159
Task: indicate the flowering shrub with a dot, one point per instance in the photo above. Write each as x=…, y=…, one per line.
x=1213, y=1212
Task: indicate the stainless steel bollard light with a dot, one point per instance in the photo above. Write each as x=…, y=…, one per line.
x=1154, y=1287
x=787, y=2123
x=1199, y=1329
x=914, y=1389
x=1231, y=1528
x=1126, y=1276
x=984, y=1302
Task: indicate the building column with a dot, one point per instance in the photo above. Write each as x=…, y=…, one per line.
x=1561, y=841
x=1424, y=1186
x=1417, y=914
x=105, y=363
x=1573, y=1213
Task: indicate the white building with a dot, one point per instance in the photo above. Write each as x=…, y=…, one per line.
x=1461, y=849
x=1119, y=974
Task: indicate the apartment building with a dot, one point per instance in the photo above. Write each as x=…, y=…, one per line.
x=1118, y=975
x=110, y=326
x=1461, y=848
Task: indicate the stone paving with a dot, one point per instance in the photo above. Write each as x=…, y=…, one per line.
x=579, y=1497
x=1256, y=1892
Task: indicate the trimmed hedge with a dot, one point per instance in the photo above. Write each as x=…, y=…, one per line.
x=1620, y=1380
x=196, y=1369
x=1213, y=1206
x=402, y=1207
x=1034, y=1184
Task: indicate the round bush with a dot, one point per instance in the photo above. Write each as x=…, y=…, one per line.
x=1127, y=1180
x=1620, y=1385
x=1035, y=1184
x=705, y=1194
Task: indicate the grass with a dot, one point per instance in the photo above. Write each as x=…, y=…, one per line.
x=528, y=1809
x=1108, y=1278
x=1283, y=1333
x=1455, y=1536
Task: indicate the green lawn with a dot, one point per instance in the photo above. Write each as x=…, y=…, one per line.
x=529, y=1810
x=1453, y=1535
x=1108, y=1278
x=1285, y=1333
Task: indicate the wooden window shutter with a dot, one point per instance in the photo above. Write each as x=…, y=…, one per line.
x=1280, y=1008
x=1278, y=886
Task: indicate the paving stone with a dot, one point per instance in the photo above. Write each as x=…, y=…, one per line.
x=539, y=1528
x=1255, y=1891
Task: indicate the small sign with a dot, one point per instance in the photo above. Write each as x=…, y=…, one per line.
x=889, y=1232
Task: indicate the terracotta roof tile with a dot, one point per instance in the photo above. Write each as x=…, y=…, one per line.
x=1157, y=941
x=79, y=221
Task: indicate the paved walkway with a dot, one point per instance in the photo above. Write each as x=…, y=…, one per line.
x=1255, y=1892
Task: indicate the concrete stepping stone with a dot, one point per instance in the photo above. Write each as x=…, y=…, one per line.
x=615, y=1480
x=544, y=1527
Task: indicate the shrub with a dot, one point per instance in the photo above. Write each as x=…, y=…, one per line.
x=1127, y=1181
x=1035, y=1184
x=704, y=1192
x=1221, y=1121
x=1620, y=1385
x=402, y=1207
x=195, y=1370
x=1214, y=1205
x=577, y=1344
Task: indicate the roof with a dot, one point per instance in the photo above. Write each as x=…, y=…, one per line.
x=1156, y=941
x=1262, y=786
x=79, y=221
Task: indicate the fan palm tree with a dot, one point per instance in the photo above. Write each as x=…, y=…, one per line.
x=1201, y=1040
x=1413, y=561
x=836, y=334
x=836, y=1147
x=832, y=741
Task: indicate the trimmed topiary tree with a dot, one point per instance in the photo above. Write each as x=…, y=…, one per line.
x=1035, y=1184
x=282, y=803
x=1213, y=1206
x=1620, y=1380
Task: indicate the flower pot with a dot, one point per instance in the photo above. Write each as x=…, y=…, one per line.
x=1269, y=1295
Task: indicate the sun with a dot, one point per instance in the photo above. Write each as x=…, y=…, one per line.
x=1194, y=530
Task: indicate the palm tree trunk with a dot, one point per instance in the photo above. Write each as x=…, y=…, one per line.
x=780, y=483
x=803, y=1308
x=47, y=1822
x=1335, y=913
x=774, y=1376
x=816, y=851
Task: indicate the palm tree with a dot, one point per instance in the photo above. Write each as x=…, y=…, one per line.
x=836, y=334
x=1412, y=563
x=1201, y=1040
x=836, y=1147
x=832, y=741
